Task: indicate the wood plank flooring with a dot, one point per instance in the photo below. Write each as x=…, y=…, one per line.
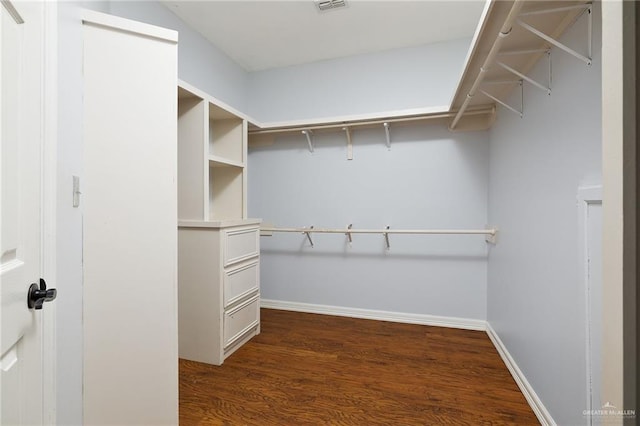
x=307, y=369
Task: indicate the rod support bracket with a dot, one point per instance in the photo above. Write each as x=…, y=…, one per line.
x=347, y=132
x=309, y=134
x=348, y=234
x=308, y=234
x=492, y=237
x=386, y=239
x=388, y=136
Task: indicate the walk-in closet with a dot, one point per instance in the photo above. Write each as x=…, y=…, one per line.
x=343, y=212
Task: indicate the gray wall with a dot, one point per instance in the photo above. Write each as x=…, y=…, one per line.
x=416, y=77
x=430, y=178
x=200, y=63
x=536, y=298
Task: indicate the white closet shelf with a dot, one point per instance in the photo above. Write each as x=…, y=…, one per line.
x=513, y=36
x=375, y=120
x=217, y=223
x=216, y=161
x=264, y=135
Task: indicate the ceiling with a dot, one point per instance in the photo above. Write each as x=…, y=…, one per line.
x=264, y=34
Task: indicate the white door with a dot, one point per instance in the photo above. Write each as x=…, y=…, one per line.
x=21, y=30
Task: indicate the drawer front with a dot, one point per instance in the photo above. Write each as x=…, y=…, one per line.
x=239, y=320
x=240, y=245
x=240, y=282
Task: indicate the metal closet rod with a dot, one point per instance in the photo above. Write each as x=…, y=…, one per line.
x=311, y=230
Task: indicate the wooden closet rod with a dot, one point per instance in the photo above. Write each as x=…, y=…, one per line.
x=490, y=234
x=490, y=231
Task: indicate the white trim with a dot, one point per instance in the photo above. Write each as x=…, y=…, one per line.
x=530, y=395
x=49, y=203
x=422, y=319
x=590, y=194
x=103, y=19
x=587, y=195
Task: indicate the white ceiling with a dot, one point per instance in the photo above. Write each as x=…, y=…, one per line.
x=263, y=34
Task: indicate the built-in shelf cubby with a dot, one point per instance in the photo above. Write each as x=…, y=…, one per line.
x=225, y=131
x=218, y=247
x=225, y=191
x=212, y=151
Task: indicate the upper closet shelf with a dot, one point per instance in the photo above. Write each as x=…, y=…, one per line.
x=265, y=134
x=363, y=121
x=510, y=40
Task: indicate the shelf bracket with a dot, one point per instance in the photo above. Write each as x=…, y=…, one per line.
x=349, y=143
x=386, y=131
x=498, y=82
x=504, y=104
x=524, y=77
x=589, y=9
x=547, y=51
x=521, y=52
x=308, y=234
x=348, y=234
x=386, y=238
x=309, y=134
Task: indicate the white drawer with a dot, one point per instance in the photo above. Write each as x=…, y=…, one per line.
x=240, y=282
x=240, y=245
x=239, y=320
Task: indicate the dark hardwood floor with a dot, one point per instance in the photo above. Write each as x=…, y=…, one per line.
x=306, y=369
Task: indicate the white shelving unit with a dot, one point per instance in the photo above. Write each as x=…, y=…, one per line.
x=511, y=39
x=218, y=246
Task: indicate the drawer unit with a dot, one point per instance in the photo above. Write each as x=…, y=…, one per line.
x=218, y=288
x=240, y=245
x=241, y=282
x=241, y=319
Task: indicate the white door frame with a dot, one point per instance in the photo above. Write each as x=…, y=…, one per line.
x=618, y=210
x=49, y=204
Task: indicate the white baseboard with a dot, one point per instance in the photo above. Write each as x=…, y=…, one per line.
x=422, y=319
x=544, y=417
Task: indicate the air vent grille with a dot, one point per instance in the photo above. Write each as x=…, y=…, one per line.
x=324, y=5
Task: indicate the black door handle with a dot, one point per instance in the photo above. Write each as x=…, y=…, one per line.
x=37, y=296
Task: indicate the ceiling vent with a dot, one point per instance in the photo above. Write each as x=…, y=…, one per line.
x=324, y=5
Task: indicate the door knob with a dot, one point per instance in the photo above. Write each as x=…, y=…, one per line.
x=38, y=295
